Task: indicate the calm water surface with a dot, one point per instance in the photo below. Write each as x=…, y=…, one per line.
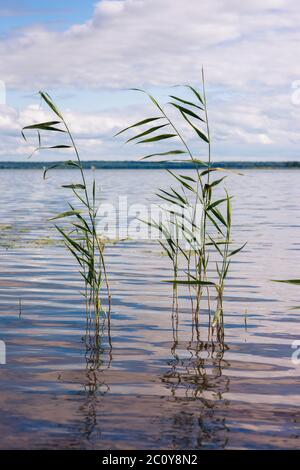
x=154, y=389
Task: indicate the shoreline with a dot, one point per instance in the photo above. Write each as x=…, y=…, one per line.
x=132, y=165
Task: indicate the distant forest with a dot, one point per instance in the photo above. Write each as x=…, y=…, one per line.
x=128, y=165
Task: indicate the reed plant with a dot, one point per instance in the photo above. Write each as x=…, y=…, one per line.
x=79, y=228
x=201, y=256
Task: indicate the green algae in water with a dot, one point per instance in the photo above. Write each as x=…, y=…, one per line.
x=5, y=227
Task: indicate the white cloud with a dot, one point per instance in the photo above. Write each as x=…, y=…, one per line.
x=150, y=42
x=249, y=50
x=233, y=124
x=93, y=132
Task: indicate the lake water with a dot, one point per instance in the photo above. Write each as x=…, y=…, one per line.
x=151, y=390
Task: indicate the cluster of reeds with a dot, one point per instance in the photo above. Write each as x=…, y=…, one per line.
x=79, y=228
x=198, y=242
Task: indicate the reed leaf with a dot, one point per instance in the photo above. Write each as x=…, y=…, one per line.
x=74, y=186
x=148, y=131
x=157, y=138
x=162, y=154
x=197, y=94
x=46, y=97
x=186, y=111
x=137, y=124
x=65, y=214
x=234, y=252
x=186, y=102
x=191, y=283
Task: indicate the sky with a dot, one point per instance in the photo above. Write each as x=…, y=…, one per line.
x=88, y=55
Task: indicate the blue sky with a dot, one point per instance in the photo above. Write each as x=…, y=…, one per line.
x=57, y=15
x=87, y=54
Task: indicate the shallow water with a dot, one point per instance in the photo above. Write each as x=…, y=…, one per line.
x=155, y=388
